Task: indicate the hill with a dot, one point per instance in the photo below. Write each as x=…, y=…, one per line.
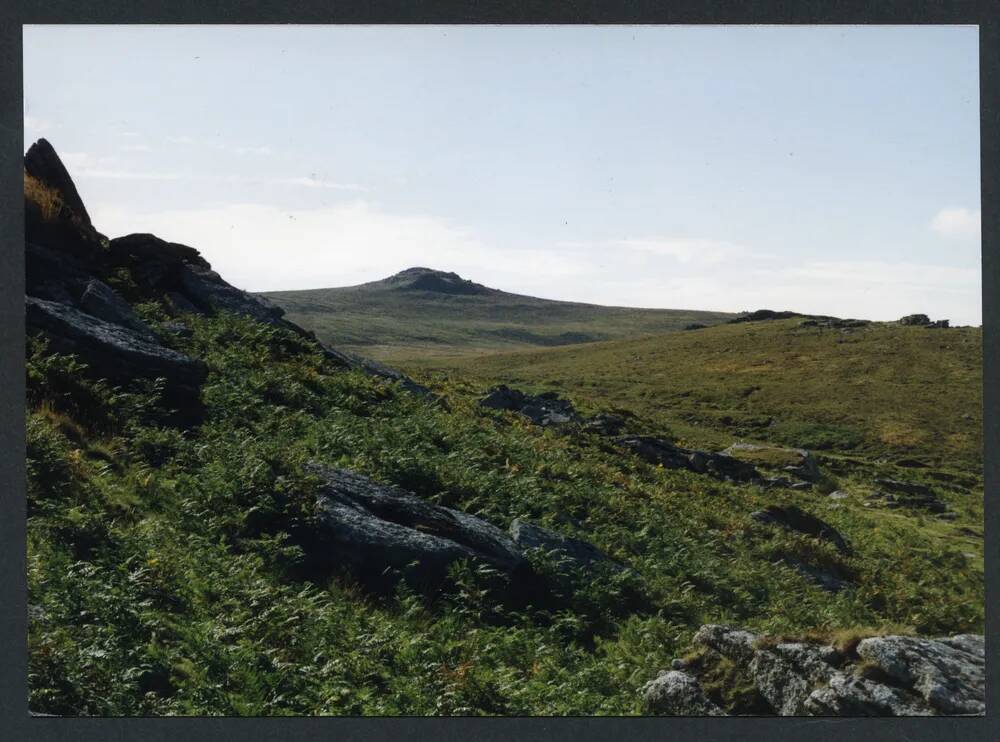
x=421, y=311
x=227, y=517
x=875, y=389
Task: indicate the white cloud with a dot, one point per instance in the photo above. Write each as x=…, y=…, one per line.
x=34, y=126
x=958, y=223
x=136, y=148
x=180, y=140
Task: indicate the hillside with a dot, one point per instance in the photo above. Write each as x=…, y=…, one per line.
x=880, y=389
x=422, y=312
x=227, y=517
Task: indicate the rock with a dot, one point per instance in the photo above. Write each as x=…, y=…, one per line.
x=663, y=453
x=206, y=289
x=675, y=693
x=915, y=320
x=795, y=461
x=917, y=676
x=544, y=409
x=658, y=452
x=177, y=304
x=374, y=530
x=832, y=578
x=177, y=328
x=801, y=486
x=695, y=326
x=949, y=674
x=374, y=368
x=764, y=314
x=677, y=664
x=42, y=162
x=909, y=495
x=115, y=352
x=838, y=495
x=605, y=423
x=795, y=519
x=574, y=552
x=99, y=300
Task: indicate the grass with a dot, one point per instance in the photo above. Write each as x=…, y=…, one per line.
x=883, y=391
x=388, y=320
x=164, y=574
x=48, y=200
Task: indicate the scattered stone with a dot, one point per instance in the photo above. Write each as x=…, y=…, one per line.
x=801, y=486
x=838, y=495
x=922, y=320
x=795, y=461
x=663, y=453
x=795, y=519
x=908, y=495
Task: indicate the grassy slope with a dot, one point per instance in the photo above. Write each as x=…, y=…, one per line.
x=385, y=322
x=883, y=390
x=162, y=578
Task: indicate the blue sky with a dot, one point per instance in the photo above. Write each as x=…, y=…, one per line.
x=822, y=169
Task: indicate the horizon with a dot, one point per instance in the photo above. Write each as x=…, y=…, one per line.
x=837, y=166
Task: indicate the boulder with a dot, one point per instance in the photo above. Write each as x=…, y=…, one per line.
x=794, y=518
x=908, y=495
x=100, y=300
x=917, y=676
x=949, y=674
x=575, y=553
x=115, y=352
x=42, y=162
x=206, y=290
x=675, y=693
x=379, y=532
x=915, y=320
x=373, y=368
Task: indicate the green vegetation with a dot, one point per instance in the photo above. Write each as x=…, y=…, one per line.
x=165, y=576
x=874, y=392
x=398, y=317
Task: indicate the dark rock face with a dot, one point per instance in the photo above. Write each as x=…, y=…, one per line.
x=663, y=453
x=99, y=300
x=835, y=324
x=923, y=676
x=763, y=314
x=544, y=409
x=115, y=352
x=42, y=162
x=579, y=554
x=371, y=528
x=795, y=519
x=374, y=368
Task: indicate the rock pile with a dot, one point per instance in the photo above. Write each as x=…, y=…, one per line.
x=877, y=676
x=893, y=493
x=543, y=409
x=922, y=320
x=663, y=453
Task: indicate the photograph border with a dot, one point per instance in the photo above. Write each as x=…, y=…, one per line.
x=14, y=719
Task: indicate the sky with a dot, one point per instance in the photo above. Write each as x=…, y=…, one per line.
x=825, y=169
